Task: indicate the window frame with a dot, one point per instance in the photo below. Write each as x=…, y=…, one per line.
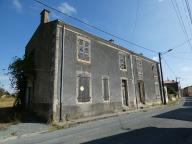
x=139, y=66
x=155, y=72
x=122, y=101
x=157, y=83
x=78, y=73
x=78, y=49
x=105, y=77
x=125, y=55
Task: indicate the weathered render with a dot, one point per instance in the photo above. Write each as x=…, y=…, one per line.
x=78, y=74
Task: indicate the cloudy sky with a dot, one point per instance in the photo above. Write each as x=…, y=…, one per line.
x=151, y=23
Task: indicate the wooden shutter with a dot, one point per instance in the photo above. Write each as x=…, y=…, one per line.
x=84, y=89
x=106, y=89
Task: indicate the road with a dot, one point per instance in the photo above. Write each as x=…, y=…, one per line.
x=164, y=125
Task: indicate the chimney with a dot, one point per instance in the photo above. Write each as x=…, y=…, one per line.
x=111, y=40
x=44, y=16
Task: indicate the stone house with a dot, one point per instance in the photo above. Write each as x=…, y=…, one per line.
x=172, y=88
x=78, y=74
x=187, y=91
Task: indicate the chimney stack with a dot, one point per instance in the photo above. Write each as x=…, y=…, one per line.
x=44, y=16
x=111, y=40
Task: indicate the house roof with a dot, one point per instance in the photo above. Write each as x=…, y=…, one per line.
x=169, y=81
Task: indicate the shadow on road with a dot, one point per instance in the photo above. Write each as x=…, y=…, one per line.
x=184, y=113
x=149, y=135
x=153, y=135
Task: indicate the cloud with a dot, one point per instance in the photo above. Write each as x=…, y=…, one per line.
x=17, y=5
x=66, y=8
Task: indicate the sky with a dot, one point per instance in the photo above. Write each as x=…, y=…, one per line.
x=150, y=23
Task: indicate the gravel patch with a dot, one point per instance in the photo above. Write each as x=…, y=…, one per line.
x=23, y=128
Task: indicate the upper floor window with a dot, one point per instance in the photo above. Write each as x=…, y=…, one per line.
x=154, y=70
x=122, y=61
x=139, y=68
x=83, y=49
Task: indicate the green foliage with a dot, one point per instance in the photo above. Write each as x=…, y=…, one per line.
x=4, y=92
x=171, y=90
x=19, y=70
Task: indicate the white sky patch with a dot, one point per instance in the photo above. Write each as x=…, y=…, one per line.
x=161, y=0
x=17, y=5
x=155, y=58
x=4, y=77
x=186, y=69
x=53, y=15
x=66, y=8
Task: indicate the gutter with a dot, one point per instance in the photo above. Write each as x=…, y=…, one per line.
x=133, y=80
x=61, y=78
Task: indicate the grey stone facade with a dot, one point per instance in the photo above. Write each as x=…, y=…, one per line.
x=58, y=69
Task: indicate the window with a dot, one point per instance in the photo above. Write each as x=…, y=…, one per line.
x=83, y=49
x=122, y=62
x=154, y=70
x=157, y=92
x=105, y=82
x=139, y=69
x=83, y=88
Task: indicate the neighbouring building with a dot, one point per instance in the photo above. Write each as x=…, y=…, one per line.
x=172, y=88
x=78, y=74
x=187, y=91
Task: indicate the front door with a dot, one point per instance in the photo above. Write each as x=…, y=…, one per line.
x=141, y=92
x=124, y=92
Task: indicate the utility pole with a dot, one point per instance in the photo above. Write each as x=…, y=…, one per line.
x=179, y=85
x=162, y=81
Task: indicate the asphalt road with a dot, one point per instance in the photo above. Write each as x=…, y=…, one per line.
x=166, y=125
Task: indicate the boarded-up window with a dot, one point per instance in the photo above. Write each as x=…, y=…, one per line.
x=83, y=49
x=154, y=70
x=157, y=91
x=139, y=69
x=106, y=89
x=83, y=88
x=122, y=61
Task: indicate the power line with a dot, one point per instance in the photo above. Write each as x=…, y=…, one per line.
x=181, y=44
x=187, y=17
x=94, y=27
x=136, y=17
x=182, y=22
x=169, y=67
x=177, y=57
x=188, y=9
x=180, y=19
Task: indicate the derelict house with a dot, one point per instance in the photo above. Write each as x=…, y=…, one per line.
x=77, y=74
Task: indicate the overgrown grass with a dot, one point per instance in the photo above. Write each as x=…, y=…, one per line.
x=6, y=102
x=172, y=103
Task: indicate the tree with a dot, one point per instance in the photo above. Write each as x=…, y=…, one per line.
x=19, y=70
x=2, y=91
x=18, y=80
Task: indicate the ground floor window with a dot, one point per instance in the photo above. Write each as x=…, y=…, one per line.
x=157, y=87
x=83, y=82
x=105, y=82
x=141, y=91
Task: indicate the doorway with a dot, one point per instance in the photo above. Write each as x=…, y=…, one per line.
x=141, y=91
x=124, y=92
